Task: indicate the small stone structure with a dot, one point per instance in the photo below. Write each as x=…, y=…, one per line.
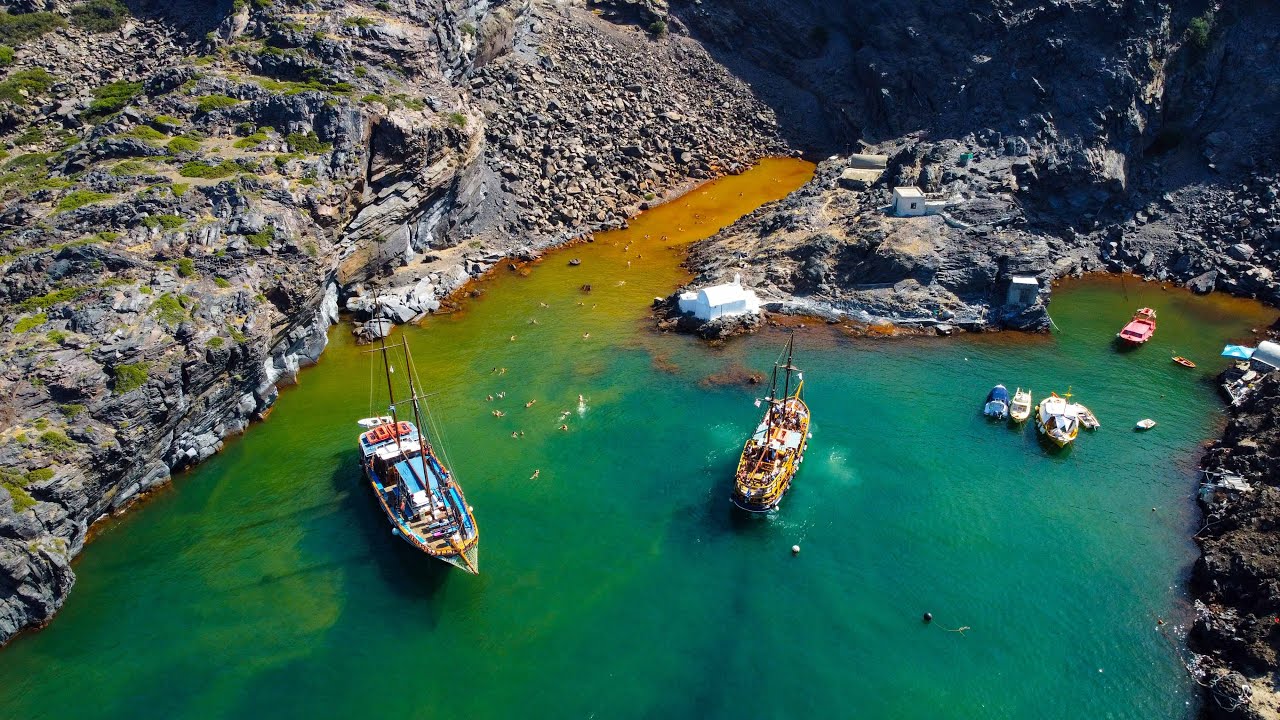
x=717, y=301
x=1024, y=290
x=912, y=202
x=863, y=171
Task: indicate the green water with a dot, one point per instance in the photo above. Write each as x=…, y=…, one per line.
x=619, y=584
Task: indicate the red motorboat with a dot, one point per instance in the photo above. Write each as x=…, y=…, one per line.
x=1140, y=328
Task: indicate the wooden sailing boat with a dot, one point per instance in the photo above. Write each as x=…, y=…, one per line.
x=418, y=494
x=775, y=450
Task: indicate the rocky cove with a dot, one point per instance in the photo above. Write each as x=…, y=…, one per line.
x=194, y=191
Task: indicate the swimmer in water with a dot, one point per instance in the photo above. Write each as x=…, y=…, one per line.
x=535, y=474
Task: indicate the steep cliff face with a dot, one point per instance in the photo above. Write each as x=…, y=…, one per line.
x=1060, y=137
x=192, y=190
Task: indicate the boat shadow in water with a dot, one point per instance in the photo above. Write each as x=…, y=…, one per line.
x=1051, y=448
x=404, y=571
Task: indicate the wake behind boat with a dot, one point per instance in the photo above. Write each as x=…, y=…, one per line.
x=417, y=493
x=775, y=450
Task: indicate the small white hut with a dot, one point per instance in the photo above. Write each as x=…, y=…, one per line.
x=719, y=301
x=908, y=201
x=1023, y=290
x=911, y=201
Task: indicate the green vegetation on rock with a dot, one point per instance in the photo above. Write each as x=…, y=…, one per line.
x=50, y=299
x=112, y=97
x=71, y=410
x=131, y=167
x=226, y=168
x=308, y=143
x=263, y=237
x=15, y=481
x=6, y=56
x=130, y=376
x=186, y=267
x=20, y=87
x=99, y=16
x=27, y=323
x=79, y=198
x=209, y=103
x=1199, y=29
x=168, y=222
x=17, y=29
x=183, y=144
x=170, y=309
x=56, y=440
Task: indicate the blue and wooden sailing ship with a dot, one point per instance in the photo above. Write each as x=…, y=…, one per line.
x=418, y=494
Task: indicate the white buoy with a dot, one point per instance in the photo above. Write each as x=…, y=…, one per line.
x=795, y=549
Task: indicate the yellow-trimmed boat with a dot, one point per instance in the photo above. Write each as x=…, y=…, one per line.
x=1057, y=420
x=775, y=450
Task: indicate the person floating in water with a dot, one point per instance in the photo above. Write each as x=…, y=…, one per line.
x=586, y=336
x=514, y=435
x=535, y=474
x=530, y=403
x=564, y=427
x=502, y=371
x=490, y=398
x=513, y=338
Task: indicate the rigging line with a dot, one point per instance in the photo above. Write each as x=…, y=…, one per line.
x=371, y=361
x=436, y=429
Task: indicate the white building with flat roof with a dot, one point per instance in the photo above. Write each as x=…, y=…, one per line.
x=911, y=202
x=719, y=301
x=1023, y=290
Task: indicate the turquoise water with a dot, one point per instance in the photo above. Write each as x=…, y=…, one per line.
x=619, y=583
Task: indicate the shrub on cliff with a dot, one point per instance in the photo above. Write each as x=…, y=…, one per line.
x=99, y=16
x=77, y=199
x=23, y=85
x=1198, y=31
x=17, y=29
x=112, y=97
x=130, y=376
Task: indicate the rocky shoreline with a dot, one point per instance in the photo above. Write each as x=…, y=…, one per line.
x=190, y=197
x=190, y=194
x=1236, y=581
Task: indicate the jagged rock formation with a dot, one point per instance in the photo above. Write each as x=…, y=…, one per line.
x=1237, y=579
x=190, y=191
x=1105, y=147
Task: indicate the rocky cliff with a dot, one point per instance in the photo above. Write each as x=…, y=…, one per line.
x=1055, y=138
x=191, y=190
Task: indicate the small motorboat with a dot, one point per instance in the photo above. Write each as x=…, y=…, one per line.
x=575, y=262
x=1087, y=418
x=1020, y=409
x=1140, y=328
x=997, y=405
x=1183, y=361
x=1145, y=424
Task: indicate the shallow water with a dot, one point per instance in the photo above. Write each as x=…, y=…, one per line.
x=619, y=583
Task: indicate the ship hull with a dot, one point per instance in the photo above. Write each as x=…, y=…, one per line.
x=755, y=498
x=468, y=559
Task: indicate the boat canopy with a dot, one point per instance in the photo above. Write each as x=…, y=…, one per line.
x=999, y=392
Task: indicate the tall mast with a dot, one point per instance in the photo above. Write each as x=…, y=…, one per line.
x=391, y=393
x=413, y=400
x=786, y=388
